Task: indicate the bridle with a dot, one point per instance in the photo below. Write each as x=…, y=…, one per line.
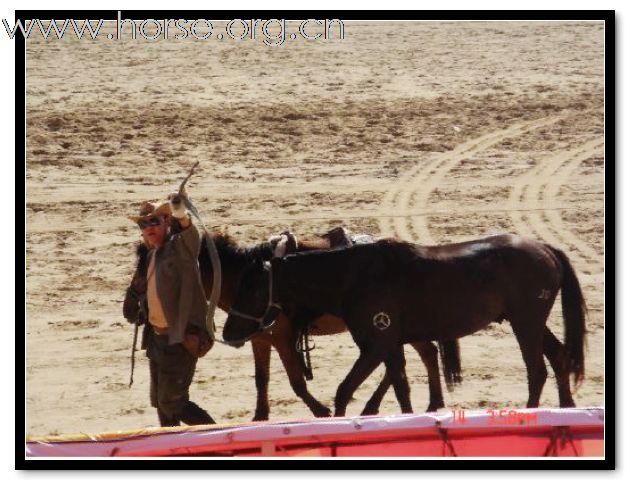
x=270, y=304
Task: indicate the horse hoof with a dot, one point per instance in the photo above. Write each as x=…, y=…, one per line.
x=434, y=408
x=371, y=408
x=260, y=418
x=369, y=411
x=323, y=412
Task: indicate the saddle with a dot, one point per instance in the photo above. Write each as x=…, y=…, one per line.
x=340, y=237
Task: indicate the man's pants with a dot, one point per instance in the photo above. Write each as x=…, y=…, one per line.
x=172, y=369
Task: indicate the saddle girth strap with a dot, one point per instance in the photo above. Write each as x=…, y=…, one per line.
x=304, y=348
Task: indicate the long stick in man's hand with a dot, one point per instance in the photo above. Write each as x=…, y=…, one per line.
x=185, y=181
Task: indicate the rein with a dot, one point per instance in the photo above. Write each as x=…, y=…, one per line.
x=216, y=276
x=214, y=256
x=216, y=268
x=213, y=302
x=270, y=304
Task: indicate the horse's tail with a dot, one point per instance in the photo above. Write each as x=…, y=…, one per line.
x=573, y=312
x=451, y=363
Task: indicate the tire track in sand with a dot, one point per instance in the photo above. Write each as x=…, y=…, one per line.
x=539, y=189
x=420, y=181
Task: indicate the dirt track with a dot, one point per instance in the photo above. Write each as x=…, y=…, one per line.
x=434, y=133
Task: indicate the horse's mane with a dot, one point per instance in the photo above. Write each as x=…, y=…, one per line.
x=227, y=247
x=141, y=249
x=142, y=252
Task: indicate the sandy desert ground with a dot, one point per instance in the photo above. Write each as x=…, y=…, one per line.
x=431, y=132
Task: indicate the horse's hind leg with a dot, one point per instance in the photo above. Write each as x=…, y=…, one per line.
x=262, y=357
x=374, y=403
x=530, y=339
x=395, y=365
x=554, y=351
x=367, y=362
x=429, y=354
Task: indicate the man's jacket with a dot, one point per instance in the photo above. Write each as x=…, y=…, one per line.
x=179, y=283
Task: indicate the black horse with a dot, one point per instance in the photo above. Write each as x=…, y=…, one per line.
x=234, y=261
x=390, y=293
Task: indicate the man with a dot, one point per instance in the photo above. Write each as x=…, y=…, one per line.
x=176, y=309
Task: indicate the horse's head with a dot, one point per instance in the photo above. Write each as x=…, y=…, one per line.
x=253, y=310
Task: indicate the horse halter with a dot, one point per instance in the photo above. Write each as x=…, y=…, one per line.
x=270, y=304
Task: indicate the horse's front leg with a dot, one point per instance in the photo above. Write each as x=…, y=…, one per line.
x=367, y=362
x=262, y=357
x=284, y=342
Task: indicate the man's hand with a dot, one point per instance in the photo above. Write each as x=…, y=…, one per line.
x=197, y=341
x=178, y=208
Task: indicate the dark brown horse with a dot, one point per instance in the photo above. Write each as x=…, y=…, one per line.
x=234, y=261
x=390, y=293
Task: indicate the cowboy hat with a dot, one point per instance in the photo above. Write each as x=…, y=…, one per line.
x=150, y=210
